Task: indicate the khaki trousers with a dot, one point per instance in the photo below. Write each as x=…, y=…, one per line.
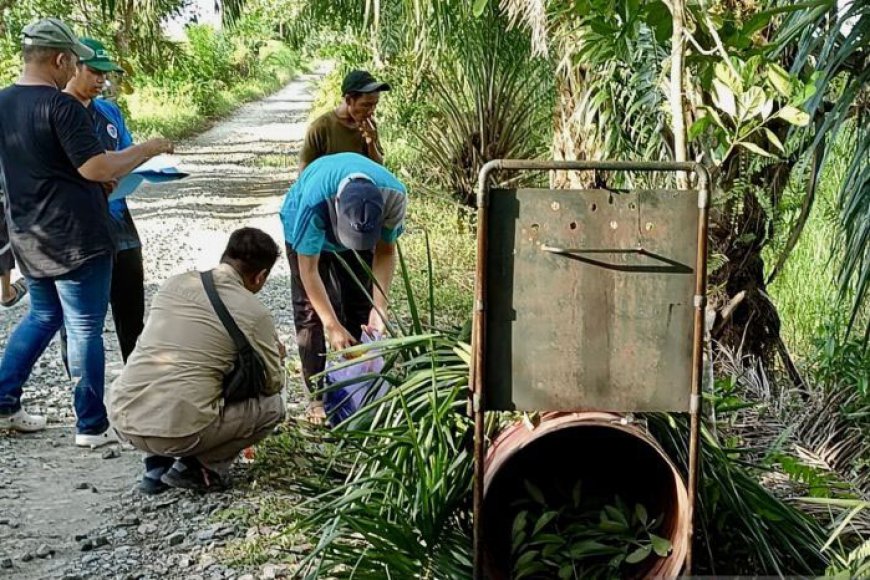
x=217, y=446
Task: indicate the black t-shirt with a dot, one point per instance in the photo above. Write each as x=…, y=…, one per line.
x=57, y=219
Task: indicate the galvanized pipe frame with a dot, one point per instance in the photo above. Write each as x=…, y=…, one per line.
x=477, y=379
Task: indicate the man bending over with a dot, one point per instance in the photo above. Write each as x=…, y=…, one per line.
x=343, y=211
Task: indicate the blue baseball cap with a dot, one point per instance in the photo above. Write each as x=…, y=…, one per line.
x=358, y=213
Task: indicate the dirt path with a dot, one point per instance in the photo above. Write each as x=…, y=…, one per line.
x=72, y=513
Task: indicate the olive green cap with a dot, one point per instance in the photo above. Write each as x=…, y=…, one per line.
x=53, y=33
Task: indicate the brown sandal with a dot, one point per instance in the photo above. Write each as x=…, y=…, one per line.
x=20, y=288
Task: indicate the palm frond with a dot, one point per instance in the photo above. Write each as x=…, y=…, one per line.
x=493, y=100
x=849, y=539
x=609, y=61
x=399, y=506
x=774, y=537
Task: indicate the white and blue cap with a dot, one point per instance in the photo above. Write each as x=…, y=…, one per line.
x=358, y=213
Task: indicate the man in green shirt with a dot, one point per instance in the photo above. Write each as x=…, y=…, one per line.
x=349, y=127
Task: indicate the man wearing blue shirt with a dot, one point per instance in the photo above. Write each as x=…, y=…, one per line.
x=128, y=279
x=341, y=205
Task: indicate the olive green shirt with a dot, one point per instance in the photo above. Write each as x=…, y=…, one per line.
x=328, y=135
x=171, y=385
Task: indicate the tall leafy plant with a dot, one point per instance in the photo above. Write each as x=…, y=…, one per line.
x=830, y=40
x=492, y=101
x=394, y=503
x=744, y=527
x=848, y=542
x=822, y=43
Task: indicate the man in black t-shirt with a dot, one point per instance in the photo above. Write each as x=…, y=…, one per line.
x=56, y=174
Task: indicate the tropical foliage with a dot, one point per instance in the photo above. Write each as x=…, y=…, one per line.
x=171, y=86
x=768, y=88
x=572, y=537
x=488, y=99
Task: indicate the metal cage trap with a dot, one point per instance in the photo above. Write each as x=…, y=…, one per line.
x=589, y=299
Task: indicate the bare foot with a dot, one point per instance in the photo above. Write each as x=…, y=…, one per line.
x=315, y=413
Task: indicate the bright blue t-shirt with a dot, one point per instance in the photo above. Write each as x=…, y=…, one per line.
x=305, y=214
x=113, y=134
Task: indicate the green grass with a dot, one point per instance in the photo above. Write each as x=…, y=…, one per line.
x=328, y=93
x=452, y=244
x=449, y=226
x=162, y=111
x=806, y=291
x=450, y=232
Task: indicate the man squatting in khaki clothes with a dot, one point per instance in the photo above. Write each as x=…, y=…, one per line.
x=168, y=400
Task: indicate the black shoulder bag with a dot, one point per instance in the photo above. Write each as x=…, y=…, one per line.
x=247, y=377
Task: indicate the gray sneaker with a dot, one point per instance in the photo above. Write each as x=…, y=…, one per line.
x=93, y=441
x=22, y=421
x=188, y=473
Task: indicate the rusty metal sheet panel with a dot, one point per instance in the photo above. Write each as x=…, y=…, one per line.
x=590, y=299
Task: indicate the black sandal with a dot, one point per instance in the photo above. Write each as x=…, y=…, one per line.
x=20, y=288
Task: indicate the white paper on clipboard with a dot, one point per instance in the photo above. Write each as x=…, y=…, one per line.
x=156, y=170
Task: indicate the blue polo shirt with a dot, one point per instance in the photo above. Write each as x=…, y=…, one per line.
x=113, y=133
x=305, y=214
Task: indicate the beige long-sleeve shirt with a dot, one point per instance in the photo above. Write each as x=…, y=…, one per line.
x=171, y=385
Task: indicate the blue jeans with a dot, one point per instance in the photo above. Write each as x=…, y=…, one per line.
x=77, y=300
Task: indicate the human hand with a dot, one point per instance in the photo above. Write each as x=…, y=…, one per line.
x=377, y=323
x=339, y=338
x=109, y=187
x=159, y=146
x=282, y=351
x=369, y=133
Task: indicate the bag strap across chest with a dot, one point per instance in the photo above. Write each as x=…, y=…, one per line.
x=238, y=337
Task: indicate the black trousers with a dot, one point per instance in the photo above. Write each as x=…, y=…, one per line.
x=128, y=298
x=350, y=302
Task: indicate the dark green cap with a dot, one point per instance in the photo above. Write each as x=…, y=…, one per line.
x=361, y=81
x=101, y=61
x=52, y=33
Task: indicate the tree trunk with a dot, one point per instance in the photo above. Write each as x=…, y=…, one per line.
x=124, y=34
x=678, y=117
x=740, y=229
x=569, y=139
